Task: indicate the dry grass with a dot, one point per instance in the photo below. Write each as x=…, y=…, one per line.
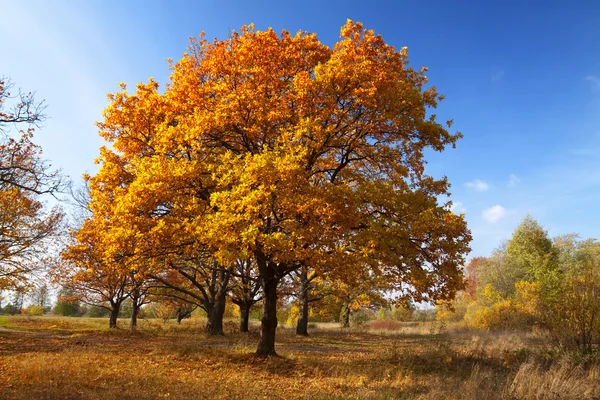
x=561, y=381
x=80, y=359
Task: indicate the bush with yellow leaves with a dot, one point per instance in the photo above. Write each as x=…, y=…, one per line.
x=34, y=310
x=492, y=311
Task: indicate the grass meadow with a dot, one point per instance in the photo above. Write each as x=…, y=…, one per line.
x=79, y=358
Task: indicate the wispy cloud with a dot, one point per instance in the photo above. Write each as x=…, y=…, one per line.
x=478, y=184
x=458, y=207
x=513, y=180
x=594, y=80
x=498, y=76
x=494, y=214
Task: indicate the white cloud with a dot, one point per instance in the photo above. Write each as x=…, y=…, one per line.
x=513, y=180
x=478, y=184
x=594, y=79
x=458, y=207
x=494, y=214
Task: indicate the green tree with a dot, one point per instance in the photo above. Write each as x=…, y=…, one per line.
x=528, y=256
x=67, y=304
x=529, y=252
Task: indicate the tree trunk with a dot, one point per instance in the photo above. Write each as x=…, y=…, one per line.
x=134, y=314
x=302, y=325
x=183, y=313
x=210, y=311
x=215, y=306
x=345, y=316
x=244, y=316
x=214, y=324
x=266, y=345
x=114, y=314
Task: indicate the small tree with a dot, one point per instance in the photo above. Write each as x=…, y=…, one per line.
x=307, y=290
x=40, y=295
x=67, y=304
x=137, y=289
x=245, y=290
x=356, y=296
x=200, y=281
x=97, y=276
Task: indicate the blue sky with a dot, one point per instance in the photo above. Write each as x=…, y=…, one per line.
x=521, y=79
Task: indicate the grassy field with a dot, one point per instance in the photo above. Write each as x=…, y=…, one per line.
x=78, y=358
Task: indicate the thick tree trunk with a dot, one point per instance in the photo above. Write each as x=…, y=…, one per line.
x=345, y=316
x=134, y=314
x=302, y=325
x=266, y=345
x=215, y=306
x=114, y=314
x=214, y=324
x=244, y=316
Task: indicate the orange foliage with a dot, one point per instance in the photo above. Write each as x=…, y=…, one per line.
x=280, y=149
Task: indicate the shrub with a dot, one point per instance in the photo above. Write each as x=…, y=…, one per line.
x=386, y=325
x=292, y=316
x=283, y=313
x=397, y=313
x=498, y=316
x=231, y=310
x=424, y=314
x=493, y=312
x=453, y=311
x=97, y=312
x=67, y=307
x=11, y=309
x=360, y=317
x=574, y=318
x=256, y=312
x=34, y=310
x=402, y=313
x=126, y=309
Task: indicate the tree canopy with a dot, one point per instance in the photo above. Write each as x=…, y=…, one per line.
x=279, y=149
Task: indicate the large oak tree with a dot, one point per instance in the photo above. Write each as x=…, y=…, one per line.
x=280, y=149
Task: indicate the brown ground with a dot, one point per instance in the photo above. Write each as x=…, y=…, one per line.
x=61, y=358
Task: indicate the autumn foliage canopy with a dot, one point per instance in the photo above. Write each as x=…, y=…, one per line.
x=279, y=149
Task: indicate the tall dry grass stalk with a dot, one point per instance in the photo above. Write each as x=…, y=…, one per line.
x=562, y=381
